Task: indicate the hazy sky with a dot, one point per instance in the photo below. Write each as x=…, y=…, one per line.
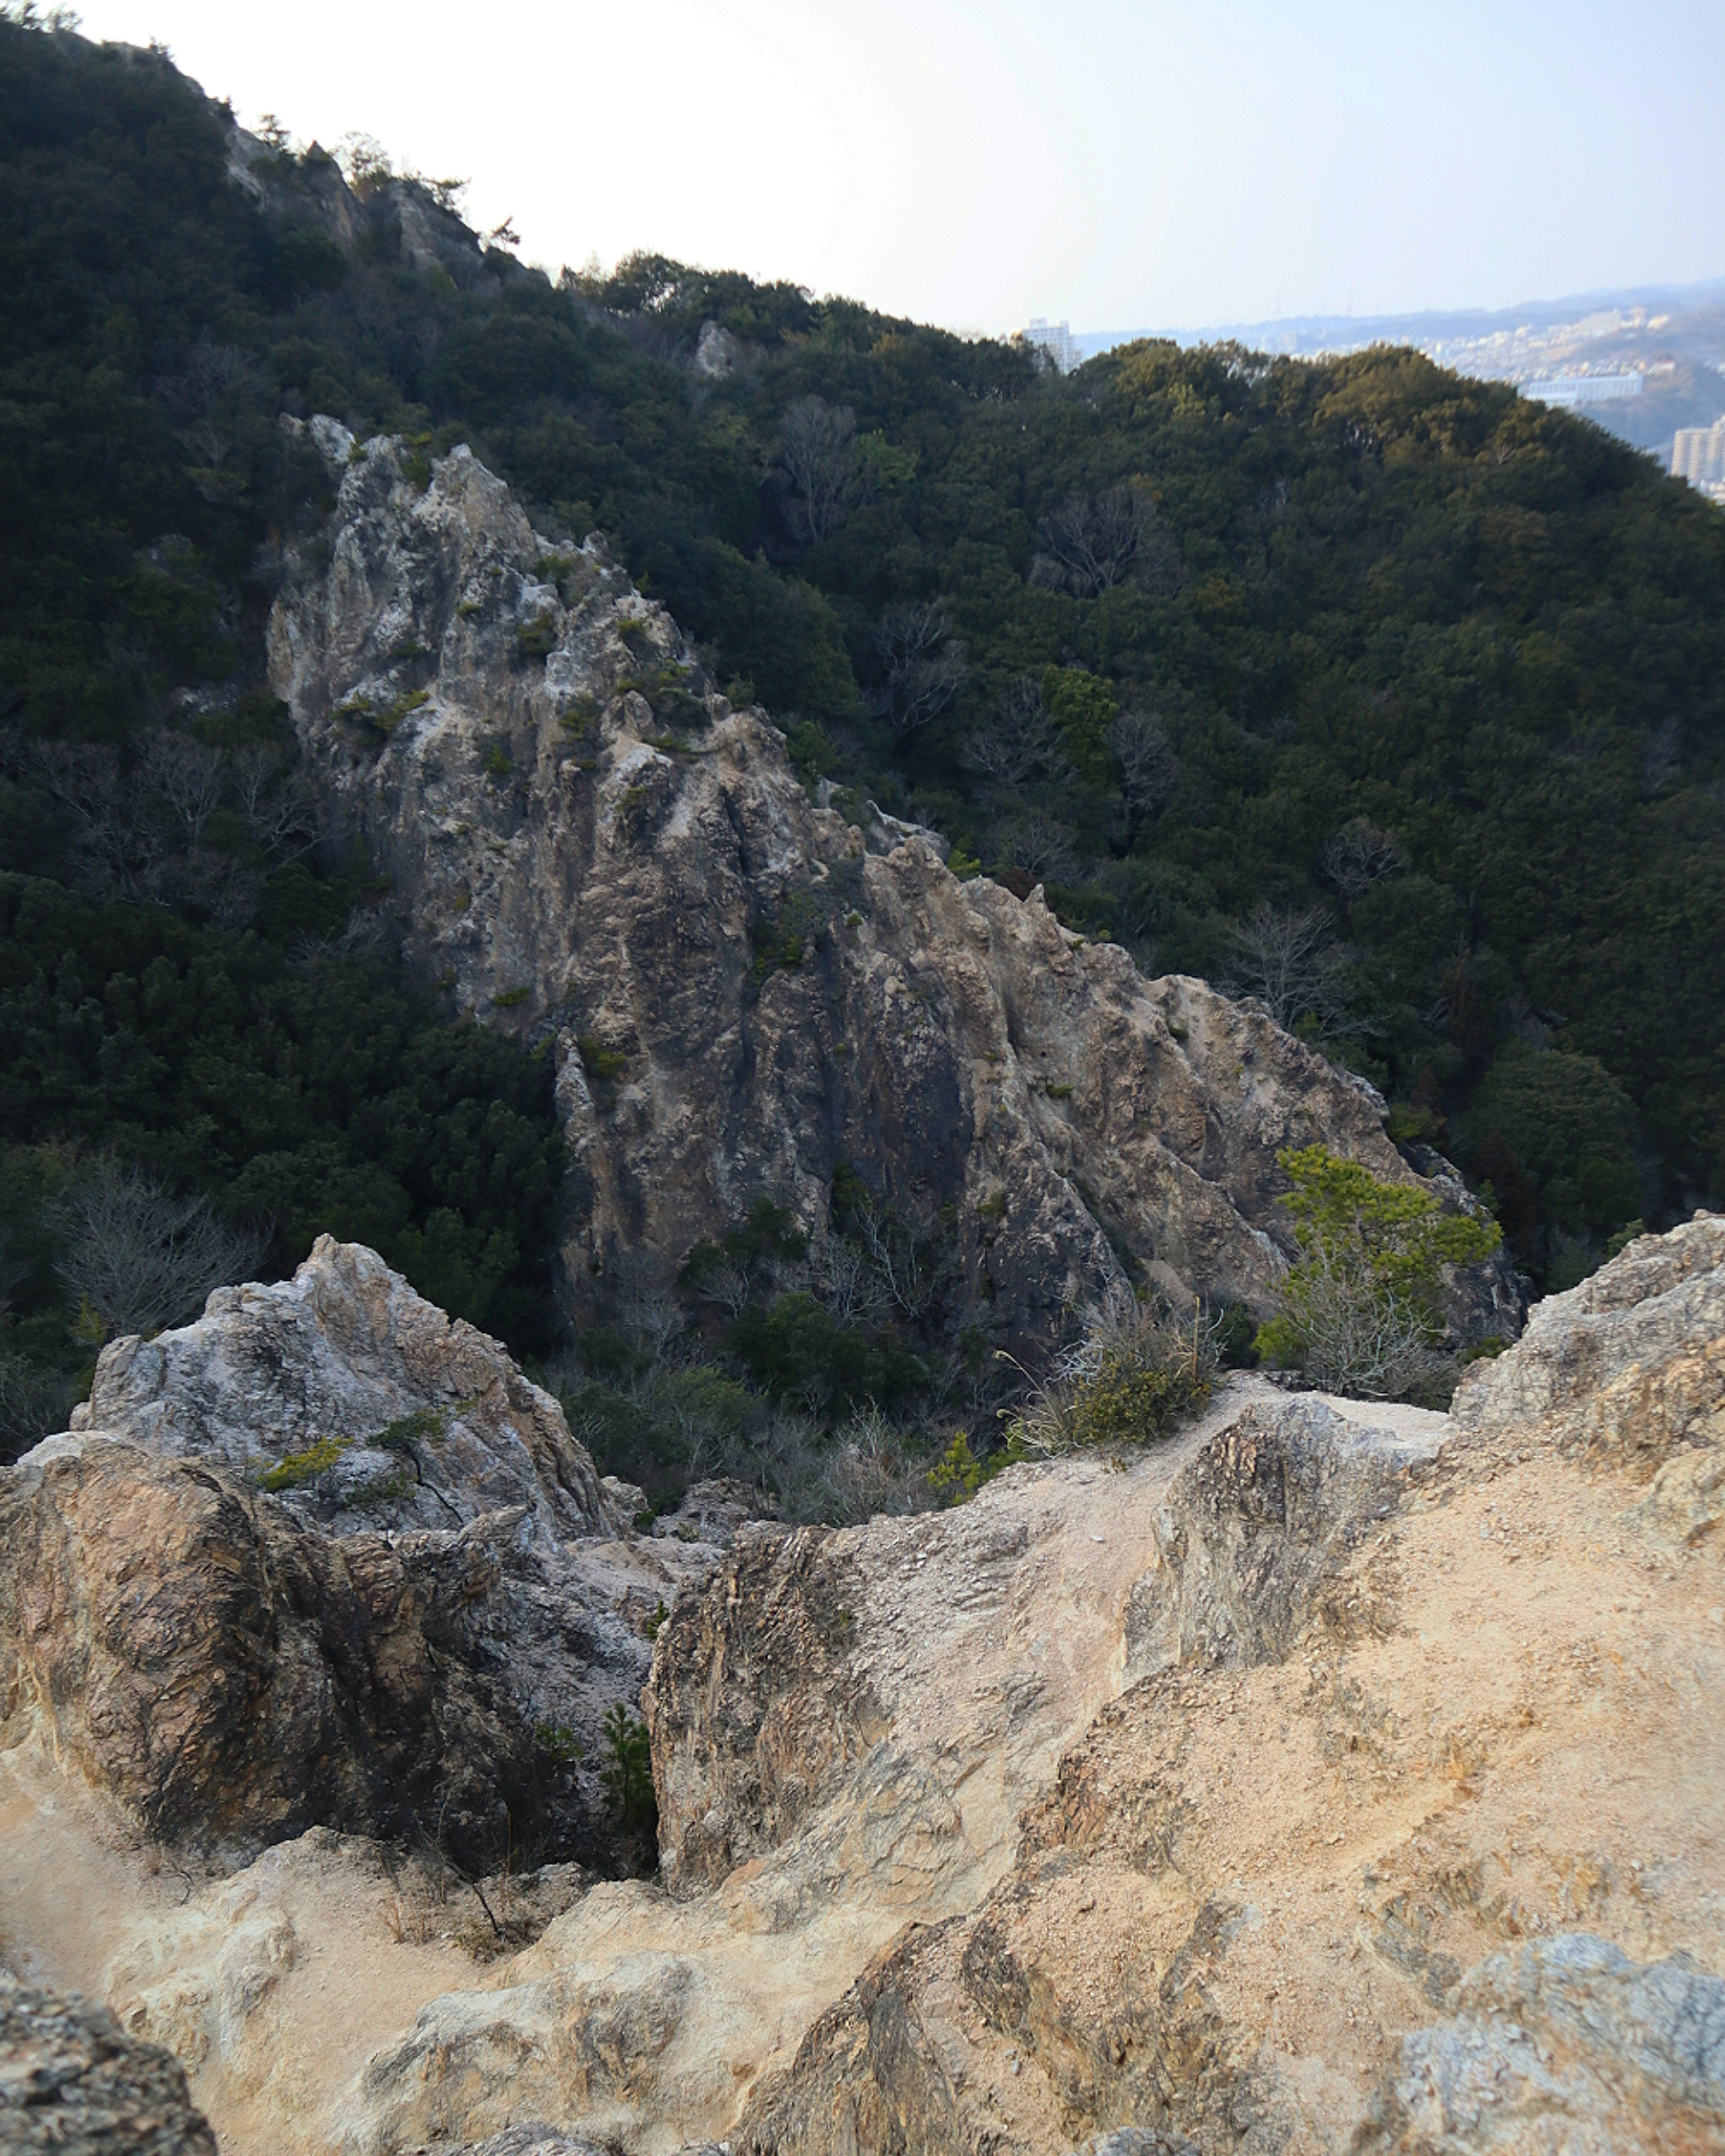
x=1166, y=163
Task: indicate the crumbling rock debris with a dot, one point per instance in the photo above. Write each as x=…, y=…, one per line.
x=73, y=2084
x=589, y=847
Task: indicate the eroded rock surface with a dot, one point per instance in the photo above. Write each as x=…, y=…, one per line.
x=1416, y=1800
x=1566, y=2044
x=233, y=1677
x=73, y=2084
x=589, y=846
x=1631, y=1365
x=364, y=1405
x=1261, y=1522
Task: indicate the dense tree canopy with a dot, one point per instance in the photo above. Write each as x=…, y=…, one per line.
x=1382, y=691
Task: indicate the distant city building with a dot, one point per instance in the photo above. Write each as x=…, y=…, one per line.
x=1057, y=340
x=1698, y=455
x=1572, y=389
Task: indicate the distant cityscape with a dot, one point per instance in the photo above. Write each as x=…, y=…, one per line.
x=1647, y=365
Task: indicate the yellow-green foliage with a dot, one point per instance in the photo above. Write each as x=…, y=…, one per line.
x=1129, y=1402
x=1367, y=1245
x=295, y=1469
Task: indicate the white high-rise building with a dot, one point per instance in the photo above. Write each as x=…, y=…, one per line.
x=1057, y=339
x=1698, y=455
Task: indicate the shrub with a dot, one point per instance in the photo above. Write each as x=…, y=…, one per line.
x=1131, y=1379
x=294, y=1469
x=628, y=1773
x=606, y=1064
x=1357, y=1309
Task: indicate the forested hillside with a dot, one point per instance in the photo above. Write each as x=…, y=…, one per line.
x=1379, y=693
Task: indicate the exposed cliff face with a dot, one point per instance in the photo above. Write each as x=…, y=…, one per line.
x=588, y=845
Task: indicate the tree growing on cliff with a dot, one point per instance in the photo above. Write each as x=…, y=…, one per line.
x=1358, y=1308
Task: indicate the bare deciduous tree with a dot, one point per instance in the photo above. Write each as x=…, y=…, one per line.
x=1092, y=540
x=1040, y=844
x=195, y=398
x=141, y=1257
x=817, y=454
x=186, y=778
x=1288, y=960
x=1020, y=739
x=1360, y=1340
x=1358, y=856
x=276, y=800
x=1148, y=767
x=847, y=1283
x=923, y=664
x=33, y=1404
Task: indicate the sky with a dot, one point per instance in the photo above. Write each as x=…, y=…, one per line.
x=1117, y=163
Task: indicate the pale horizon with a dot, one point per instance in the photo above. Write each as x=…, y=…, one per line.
x=975, y=163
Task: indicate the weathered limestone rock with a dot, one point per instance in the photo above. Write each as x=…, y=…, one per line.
x=1630, y=1365
x=72, y=2084
x=1565, y=2045
x=1263, y=1520
x=232, y=1677
x=423, y=1421
x=591, y=847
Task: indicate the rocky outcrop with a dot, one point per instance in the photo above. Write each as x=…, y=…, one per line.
x=1260, y=1525
x=232, y=1677
x=354, y=1402
x=1631, y=1365
x=1396, y=1716
x=588, y=846
x=326, y=1557
x=1416, y=1800
x=72, y=2084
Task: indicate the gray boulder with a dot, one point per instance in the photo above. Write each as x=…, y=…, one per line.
x=353, y=1401
x=72, y=2083
x=1565, y=2045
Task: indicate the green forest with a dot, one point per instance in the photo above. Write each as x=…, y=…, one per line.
x=1382, y=694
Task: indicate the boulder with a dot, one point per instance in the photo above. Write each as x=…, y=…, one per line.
x=354, y=1402
x=1629, y=1366
x=73, y=2084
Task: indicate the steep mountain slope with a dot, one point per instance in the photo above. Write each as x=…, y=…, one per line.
x=1367, y=644
x=752, y=998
